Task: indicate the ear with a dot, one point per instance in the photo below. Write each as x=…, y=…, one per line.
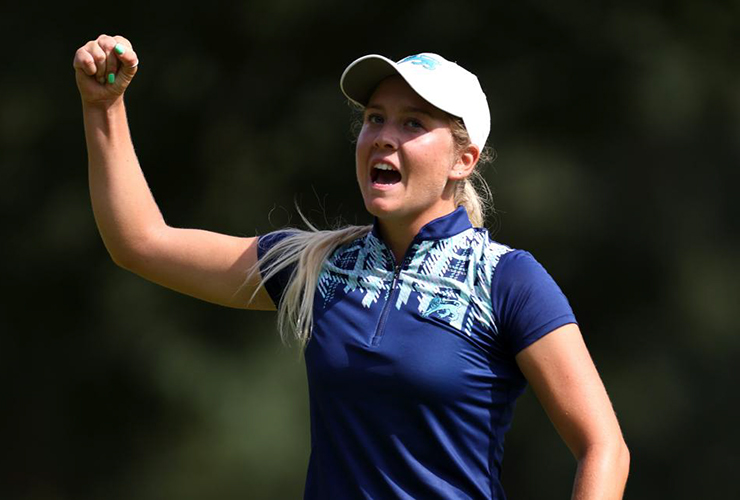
x=465, y=164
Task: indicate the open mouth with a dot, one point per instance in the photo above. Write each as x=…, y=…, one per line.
x=384, y=174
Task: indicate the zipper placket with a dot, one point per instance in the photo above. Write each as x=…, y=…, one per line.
x=392, y=293
x=386, y=308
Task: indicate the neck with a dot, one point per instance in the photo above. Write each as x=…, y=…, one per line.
x=398, y=233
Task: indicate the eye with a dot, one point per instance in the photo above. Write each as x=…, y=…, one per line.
x=374, y=119
x=414, y=123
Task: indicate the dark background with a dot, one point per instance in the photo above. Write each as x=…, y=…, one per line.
x=617, y=126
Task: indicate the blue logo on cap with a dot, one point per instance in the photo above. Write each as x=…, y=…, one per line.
x=427, y=62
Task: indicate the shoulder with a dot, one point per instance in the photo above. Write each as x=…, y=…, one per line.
x=517, y=266
x=508, y=262
x=492, y=246
x=487, y=250
x=518, y=271
x=270, y=240
x=527, y=301
x=363, y=250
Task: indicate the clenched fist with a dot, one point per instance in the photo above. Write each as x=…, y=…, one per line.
x=104, y=69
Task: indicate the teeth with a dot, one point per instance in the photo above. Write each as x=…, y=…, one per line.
x=382, y=166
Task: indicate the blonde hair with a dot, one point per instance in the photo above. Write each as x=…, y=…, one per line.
x=306, y=251
x=473, y=192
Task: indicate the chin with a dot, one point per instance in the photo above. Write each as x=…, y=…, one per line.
x=382, y=209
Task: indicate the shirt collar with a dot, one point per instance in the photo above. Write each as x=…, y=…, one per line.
x=446, y=226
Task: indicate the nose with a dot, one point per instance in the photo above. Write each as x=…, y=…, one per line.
x=385, y=138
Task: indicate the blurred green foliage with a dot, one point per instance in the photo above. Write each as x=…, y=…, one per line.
x=617, y=127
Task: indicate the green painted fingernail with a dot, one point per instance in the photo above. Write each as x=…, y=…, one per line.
x=111, y=78
x=120, y=49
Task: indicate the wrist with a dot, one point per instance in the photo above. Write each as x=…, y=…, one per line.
x=104, y=121
x=104, y=107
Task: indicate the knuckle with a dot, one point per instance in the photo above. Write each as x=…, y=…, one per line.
x=83, y=58
x=106, y=42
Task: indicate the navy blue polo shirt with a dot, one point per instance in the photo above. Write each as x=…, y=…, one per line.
x=411, y=371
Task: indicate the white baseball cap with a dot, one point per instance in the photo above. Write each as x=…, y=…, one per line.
x=440, y=82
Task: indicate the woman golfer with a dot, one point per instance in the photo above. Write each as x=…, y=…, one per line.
x=420, y=332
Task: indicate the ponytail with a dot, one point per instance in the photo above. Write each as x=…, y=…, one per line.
x=472, y=192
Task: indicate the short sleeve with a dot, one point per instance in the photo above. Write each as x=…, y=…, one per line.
x=527, y=301
x=276, y=285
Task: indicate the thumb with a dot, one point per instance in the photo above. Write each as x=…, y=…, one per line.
x=129, y=65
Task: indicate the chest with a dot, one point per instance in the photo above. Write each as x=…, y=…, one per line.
x=415, y=333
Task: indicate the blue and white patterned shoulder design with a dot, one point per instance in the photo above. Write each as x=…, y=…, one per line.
x=447, y=279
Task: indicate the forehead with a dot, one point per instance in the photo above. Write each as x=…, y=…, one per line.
x=394, y=92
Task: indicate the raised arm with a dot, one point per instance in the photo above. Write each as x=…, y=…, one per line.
x=564, y=378
x=203, y=264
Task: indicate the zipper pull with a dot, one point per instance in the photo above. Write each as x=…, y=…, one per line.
x=396, y=273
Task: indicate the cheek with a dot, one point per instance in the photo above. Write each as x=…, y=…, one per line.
x=437, y=147
x=361, y=155
x=362, y=146
x=436, y=162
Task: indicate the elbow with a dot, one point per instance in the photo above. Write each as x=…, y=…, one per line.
x=619, y=457
x=602, y=470
x=623, y=459
x=620, y=467
x=612, y=457
x=134, y=253
x=124, y=259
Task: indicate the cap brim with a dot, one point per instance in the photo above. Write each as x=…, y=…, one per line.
x=361, y=77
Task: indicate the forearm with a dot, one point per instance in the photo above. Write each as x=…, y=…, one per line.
x=125, y=211
x=602, y=473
